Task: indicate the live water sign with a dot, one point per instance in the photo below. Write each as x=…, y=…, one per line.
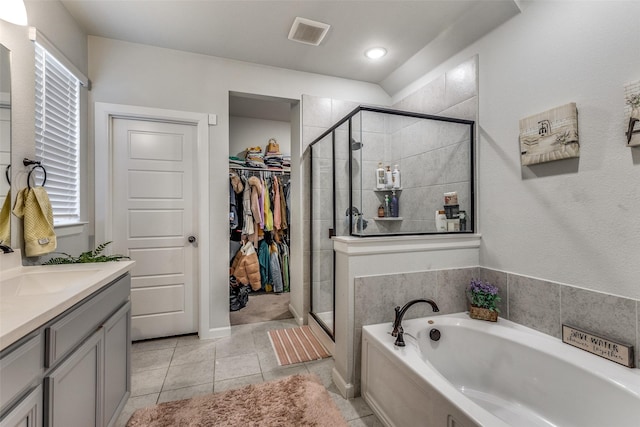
x=614, y=351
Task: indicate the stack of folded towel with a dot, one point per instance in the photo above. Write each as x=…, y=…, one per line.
x=254, y=158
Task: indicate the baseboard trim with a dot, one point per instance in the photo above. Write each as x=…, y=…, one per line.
x=215, y=333
x=296, y=316
x=346, y=390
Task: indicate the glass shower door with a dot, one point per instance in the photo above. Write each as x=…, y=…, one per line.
x=322, y=226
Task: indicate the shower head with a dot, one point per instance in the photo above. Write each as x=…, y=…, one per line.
x=355, y=145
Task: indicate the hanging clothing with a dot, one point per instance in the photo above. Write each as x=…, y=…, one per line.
x=277, y=207
x=284, y=263
x=256, y=190
x=284, y=223
x=275, y=270
x=233, y=210
x=246, y=267
x=247, y=222
x=264, y=259
x=268, y=214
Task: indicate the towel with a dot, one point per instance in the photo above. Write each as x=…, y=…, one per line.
x=5, y=220
x=32, y=204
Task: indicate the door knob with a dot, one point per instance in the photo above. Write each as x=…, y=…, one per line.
x=192, y=239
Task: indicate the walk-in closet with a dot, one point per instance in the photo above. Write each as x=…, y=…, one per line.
x=259, y=208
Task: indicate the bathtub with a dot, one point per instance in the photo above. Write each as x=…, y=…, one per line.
x=491, y=374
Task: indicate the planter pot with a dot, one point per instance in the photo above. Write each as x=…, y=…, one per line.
x=483, y=314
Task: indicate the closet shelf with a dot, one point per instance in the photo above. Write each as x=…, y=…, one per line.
x=388, y=218
x=247, y=168
x=386, y=190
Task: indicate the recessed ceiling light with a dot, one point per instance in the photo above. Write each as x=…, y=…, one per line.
x=376, y=53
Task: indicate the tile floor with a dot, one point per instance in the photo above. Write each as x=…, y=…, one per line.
x=181, y=367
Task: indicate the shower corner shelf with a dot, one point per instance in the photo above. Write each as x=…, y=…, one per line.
x=388, y=218
x=386, y=190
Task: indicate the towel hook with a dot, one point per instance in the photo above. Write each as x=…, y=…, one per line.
x=6, y=173
x=44, y=171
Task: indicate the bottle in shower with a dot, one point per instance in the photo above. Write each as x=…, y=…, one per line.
x=395, y=177
x=387, y=206
x=388, y=178
x=441, y=221
x=380, y=177
x=395, y=207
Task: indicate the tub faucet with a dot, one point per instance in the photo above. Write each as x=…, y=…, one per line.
x=5, y=248
x=398, y=332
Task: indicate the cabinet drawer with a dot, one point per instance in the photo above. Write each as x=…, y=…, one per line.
x=80, y=321
x=20, y=368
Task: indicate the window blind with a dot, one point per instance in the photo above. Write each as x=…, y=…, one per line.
x=58, y=135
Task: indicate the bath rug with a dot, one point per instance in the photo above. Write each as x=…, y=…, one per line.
x=298, y=400
x=296, y=345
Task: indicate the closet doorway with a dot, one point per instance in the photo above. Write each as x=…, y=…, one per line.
x=260, y=135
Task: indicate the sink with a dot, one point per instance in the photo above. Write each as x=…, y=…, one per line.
x=44, y=282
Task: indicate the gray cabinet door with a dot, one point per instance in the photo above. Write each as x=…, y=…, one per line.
x=28, y=413
x=73, y=390
x=117, y=363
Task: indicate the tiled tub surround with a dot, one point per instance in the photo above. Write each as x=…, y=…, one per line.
x=535, y=303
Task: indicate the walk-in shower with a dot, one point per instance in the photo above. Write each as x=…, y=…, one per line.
x=434, y=156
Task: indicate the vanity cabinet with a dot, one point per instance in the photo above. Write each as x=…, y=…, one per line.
x=75, y=369
x=28, y=413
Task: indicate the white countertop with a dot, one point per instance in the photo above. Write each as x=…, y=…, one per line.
x=22, y=313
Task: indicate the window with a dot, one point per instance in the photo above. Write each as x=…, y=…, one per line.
x=58, y=135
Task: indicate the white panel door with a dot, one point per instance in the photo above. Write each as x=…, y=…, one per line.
x=154, y=214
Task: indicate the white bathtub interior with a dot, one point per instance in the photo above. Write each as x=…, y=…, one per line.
x=495, y=374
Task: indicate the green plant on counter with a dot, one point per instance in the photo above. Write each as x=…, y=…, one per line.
x=89, y=256
x=483, y=295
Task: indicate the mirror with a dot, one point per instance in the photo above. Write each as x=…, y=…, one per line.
x=5, y=145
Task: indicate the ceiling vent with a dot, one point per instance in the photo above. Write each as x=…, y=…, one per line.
x=307, y=31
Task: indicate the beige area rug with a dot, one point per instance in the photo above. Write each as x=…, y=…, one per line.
x=295, y=345
x=298, y=400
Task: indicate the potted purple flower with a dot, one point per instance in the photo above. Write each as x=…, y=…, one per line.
x=483, y=297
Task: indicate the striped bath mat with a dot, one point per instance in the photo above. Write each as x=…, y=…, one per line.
x=296, y=345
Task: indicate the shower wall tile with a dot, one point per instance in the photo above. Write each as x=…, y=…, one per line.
x=373, y=122
x=320, y=234
x=466, y=110
x=322, y=262
x=339, y=109
x=322, y=204
x=458, y=162
x=316, y=111
x=452, y=285
x=432, y=96
x=310, y=134
x=606, y=315
x=535, y=303
x=638, y=334
x=461, y=83
x=373, y=147
x=369, y=174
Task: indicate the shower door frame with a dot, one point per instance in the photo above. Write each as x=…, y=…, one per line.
x=332, y=130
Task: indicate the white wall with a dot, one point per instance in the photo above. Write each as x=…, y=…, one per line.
x=55, y=23
x=245, y=132
x=133, y=74
x=574, y=222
